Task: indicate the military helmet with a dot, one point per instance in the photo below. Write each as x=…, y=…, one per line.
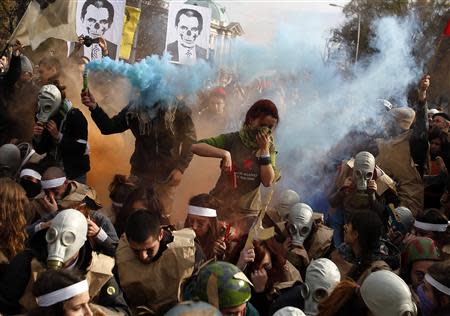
x=401, y=219
x=223, y=284
x=420, y=248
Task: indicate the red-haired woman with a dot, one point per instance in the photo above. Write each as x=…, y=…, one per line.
x=248, y=159
x=266, y=266
x=13, y=206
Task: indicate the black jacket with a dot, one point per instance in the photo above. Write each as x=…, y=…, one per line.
x=288, y=297
x=7, y=82
x=172, y=48
x=106, y=247
x=72, y=148
x=158, y=150
x=15, y=280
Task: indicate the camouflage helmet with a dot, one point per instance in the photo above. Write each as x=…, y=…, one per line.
x=222, y=284
x=192, y=308
x=420, y=248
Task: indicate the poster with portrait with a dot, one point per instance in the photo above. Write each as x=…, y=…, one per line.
x=100, y=18
x=188, y=29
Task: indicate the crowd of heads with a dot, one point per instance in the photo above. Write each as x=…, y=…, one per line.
x=375, y=251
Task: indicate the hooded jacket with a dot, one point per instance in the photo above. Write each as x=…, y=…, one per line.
x=163, y=142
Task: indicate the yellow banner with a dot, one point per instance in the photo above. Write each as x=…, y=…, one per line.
x=130, y=22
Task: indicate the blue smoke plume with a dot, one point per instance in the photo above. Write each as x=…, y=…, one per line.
x=156, y=78
x=318, y=105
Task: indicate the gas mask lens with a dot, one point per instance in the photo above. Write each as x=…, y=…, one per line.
x=68, y=238
x=51, y=235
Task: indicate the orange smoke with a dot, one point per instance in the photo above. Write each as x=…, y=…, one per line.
x=111, y=154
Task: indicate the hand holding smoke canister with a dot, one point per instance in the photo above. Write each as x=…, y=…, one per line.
x=85, y=80
x=225, y=232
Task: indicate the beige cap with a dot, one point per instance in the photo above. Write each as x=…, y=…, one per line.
x=403, y=116
x=433, y=111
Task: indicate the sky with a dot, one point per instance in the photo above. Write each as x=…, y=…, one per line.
x=260, y=19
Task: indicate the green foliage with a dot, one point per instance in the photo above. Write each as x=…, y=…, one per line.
x=431, y=14
x=10, y=13
x=430, y=49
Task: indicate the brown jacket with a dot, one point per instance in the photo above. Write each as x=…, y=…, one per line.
x=157, y=285
x=77, y=194
x=98, y=274
x=395, y=159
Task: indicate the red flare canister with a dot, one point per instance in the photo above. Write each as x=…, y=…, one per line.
x=232, y=177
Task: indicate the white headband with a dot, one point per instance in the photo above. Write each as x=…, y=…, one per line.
x=53, y=183
x=117, y=204
x=63, y=294
x=201, y=211
x=30, y=173
x=437, y=285
x=431, y=227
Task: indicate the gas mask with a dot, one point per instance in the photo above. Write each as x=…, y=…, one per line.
x=300, y=220
x=287, y=199
x=322, y=275
x=49, y=101
x=65, y=237
x=363, y=169
x=386, y=294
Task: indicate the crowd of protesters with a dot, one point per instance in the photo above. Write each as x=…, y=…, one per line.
x=382, y=248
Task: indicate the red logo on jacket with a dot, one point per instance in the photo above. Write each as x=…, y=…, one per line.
x=248, y=164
